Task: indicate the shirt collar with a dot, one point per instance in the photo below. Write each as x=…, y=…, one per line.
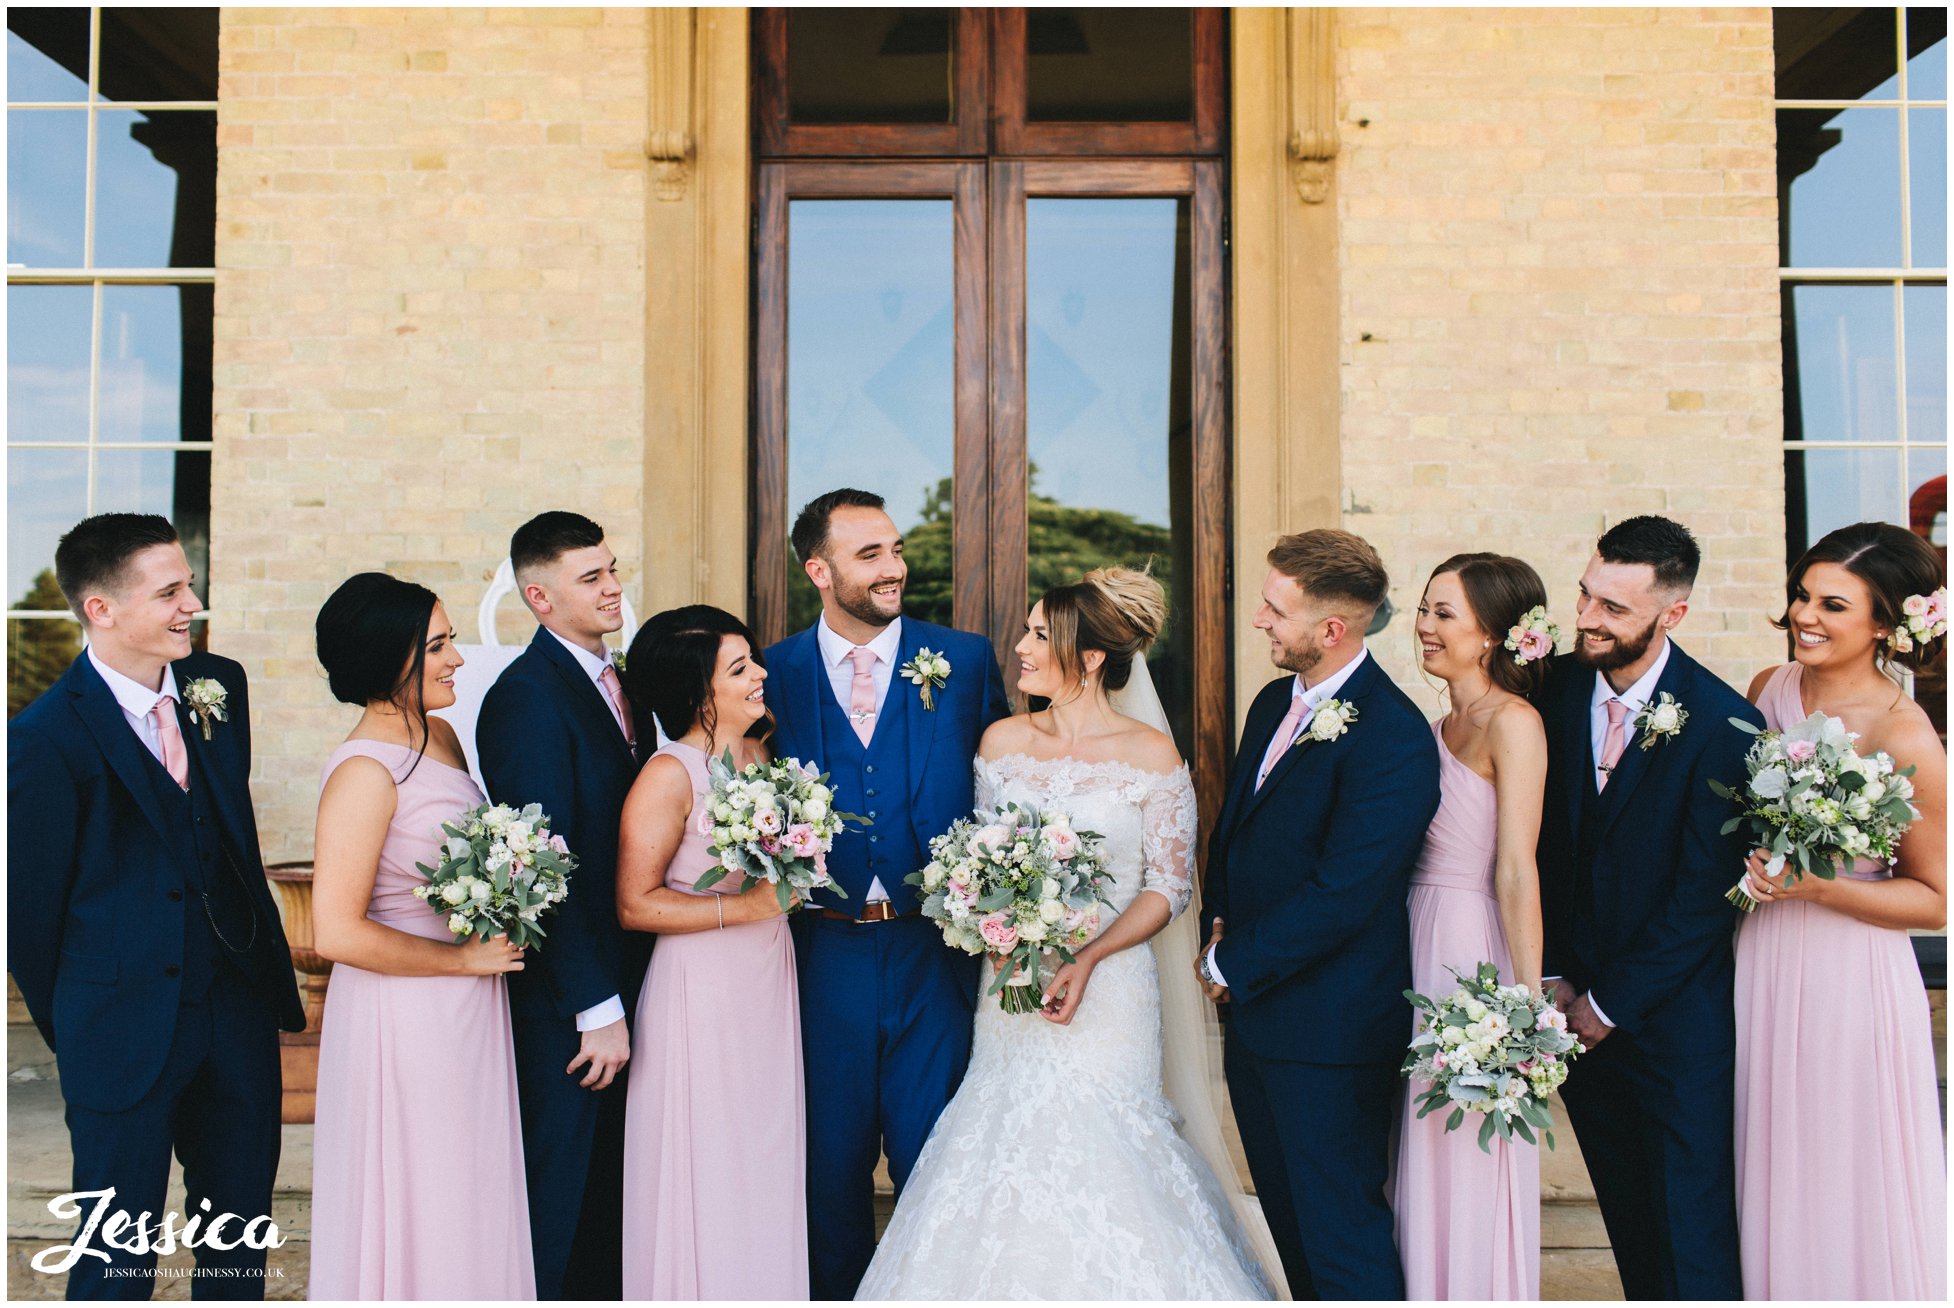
x=1327, y=689
x=136, y=699
x=835, y=646
x=593, y=665
x=1638, y=694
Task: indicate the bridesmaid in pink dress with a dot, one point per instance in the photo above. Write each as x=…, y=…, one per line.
x=1468, y=1222
x=714, y=1135
x=417, y=1138
x=1841, y=1168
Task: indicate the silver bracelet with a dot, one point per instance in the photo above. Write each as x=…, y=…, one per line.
x=719, y=902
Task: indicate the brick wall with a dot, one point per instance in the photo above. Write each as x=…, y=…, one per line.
x=430, y=324
x=1559, y=299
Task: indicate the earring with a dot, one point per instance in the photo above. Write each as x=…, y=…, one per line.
x=1082, y=683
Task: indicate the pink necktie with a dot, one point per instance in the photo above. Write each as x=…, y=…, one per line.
x=176, y=759
x=1613, y=741
x=861, y=692
x=620, y=707
x=1285, y=737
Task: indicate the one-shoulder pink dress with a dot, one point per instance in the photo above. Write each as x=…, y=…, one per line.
x=1468, y=1222
x=1841, y=1169
x=417, y=1173
x=715, y=1144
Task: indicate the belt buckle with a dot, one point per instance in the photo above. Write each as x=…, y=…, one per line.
x=879, y=911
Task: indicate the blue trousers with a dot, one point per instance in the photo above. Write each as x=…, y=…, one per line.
x=1317, y=1137
x=216, y=1105
x=885, y=1036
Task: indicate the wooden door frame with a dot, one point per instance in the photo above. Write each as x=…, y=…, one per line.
x=963, y=185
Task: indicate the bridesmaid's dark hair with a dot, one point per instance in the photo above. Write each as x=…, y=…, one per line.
x=1894, y=563
x=669, y=668
x=371, y=635
x=1500, y=590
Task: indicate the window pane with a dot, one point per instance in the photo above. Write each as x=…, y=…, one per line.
x=1109, y=65
x=1926, y=326
x=159, y=54
x=47, y=362
x=35, y=57
x=47, y=493
x=47, y=175
x=870, y=65
x=1839, y=187
x=161, y=481
x=1828, y=489
x=156, y=351
x=1927, y=151
x=1108, y=407
x=39, y=650
x=871, y=377
x=156, y=189
x=1836, y=54
x=1840, y=382
x=1927, y=42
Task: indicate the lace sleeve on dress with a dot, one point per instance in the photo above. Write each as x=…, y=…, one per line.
x=1168, y=823
x=986, y=788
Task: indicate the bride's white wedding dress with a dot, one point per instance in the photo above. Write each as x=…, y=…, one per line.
x=1058, y=1171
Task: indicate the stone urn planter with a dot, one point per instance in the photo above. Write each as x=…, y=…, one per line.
x=298, y=1051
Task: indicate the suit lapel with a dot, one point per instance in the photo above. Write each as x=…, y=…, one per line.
x=96, y=705
x=1357, y=688
x=1636, y=761
x=582, y=690
x=811, y=680
x=1577, y=746
x=919, y=725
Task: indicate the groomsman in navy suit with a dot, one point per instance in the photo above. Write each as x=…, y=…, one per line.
x=885, y=1005
x=556, y=730
x=140, y=928
x=1309, y=865
x=1633, y=870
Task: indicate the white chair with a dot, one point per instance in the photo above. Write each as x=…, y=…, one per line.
x=487, y=658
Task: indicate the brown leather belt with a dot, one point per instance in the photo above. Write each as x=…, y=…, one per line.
x=880, y=911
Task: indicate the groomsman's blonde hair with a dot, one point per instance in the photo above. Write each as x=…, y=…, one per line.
x=1339, y=569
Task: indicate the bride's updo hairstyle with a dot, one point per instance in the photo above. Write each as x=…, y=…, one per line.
x=1117, y=611
x=1501, y=590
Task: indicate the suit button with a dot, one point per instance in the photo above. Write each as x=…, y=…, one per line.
x=171, y=969
x=176, y=896
x=200, y=821
x=871, y=814
x=871, y=794
x=870, y=768
x=875, y=840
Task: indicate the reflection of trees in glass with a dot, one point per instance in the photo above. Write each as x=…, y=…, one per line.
x=39, y=650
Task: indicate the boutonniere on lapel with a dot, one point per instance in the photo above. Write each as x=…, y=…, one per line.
x=929, y=670
x=205, y=697
x=1660, y=720
x=617, y=661
x=1331, y=719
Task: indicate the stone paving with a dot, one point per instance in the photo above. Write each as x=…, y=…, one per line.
x=1575, y=1261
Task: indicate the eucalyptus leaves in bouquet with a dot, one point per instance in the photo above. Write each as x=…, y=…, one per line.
x=1490, y=1049
x=501, y=869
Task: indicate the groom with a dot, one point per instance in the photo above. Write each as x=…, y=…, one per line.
x=1633, y=870
x=885, y=1006
x=140, y=927
x=1308, y=868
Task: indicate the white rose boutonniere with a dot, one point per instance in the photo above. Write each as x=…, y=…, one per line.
x=206, y=697
x=1660, y=719
x=929, y=670
x=1331, y=719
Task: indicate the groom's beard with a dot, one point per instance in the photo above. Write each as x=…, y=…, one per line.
x=1618, y=655
x=858, y=604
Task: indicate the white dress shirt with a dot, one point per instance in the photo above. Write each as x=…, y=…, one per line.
x=835, y=649
x=138, y=701
x=1636, y=697
x=593, y=665
x=1311, y=697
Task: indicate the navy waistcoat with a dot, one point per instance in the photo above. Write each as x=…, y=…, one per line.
x=872, y=780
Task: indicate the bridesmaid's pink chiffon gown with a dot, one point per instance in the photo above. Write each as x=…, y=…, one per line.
x=715, y=1145
x=1468, y=1222
x=1841, y=1169
x=417, y=1173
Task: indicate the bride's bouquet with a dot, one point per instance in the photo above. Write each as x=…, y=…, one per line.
x=501, y=869
x=1015, y=882
x=1491, y=1049
x=1816, y=803
x=772, y=822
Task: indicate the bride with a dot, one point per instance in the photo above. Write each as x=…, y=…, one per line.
x=1065, y=1167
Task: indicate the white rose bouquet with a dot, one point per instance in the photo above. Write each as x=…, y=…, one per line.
x=1815, y=803
x=771, y=822
x=1019, y=883
x=501, y=869
x=1491, y=1049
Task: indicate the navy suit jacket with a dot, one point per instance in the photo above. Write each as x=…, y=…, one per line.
x=1310, y=876
x=545, y=736
x=1644, y=923
x=94, y=933
x=941, y=744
